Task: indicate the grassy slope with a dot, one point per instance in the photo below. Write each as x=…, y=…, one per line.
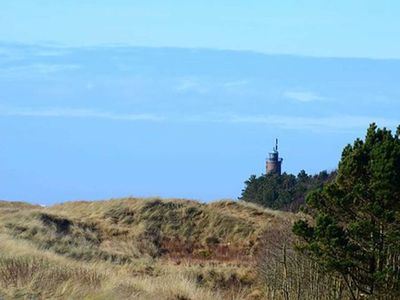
x=130, y=248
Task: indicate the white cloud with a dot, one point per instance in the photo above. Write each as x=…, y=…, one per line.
x=195, y=85
x=328, y=123
x=39, y=68
x=80, y=113
x=235, y=84
x=51, y=52
x=338, y=122
x=302, y=96
x=90, y=86
x=191, y=85
x=15, y=52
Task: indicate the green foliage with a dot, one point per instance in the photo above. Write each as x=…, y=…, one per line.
x=356, y=219
x=284, y=192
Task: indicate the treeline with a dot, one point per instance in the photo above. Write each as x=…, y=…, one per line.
x=346, y=243
x=283, y=192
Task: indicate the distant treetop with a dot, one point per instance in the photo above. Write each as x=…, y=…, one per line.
x=284, y=192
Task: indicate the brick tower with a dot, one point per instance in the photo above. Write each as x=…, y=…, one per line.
x=274, y=162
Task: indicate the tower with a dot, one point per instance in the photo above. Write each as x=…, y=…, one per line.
x=274, y=162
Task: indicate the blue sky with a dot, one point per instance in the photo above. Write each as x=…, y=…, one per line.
x=102, y=99
x=356, y=28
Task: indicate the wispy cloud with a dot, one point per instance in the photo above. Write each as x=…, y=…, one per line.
x=15, y=52
x=302, y=96
x=52, y=52
x=327, y=123
x=37, y=68
x=202, y=86
x=191, y=85
x=80, y=113
x=235, y=83
x=337, y=122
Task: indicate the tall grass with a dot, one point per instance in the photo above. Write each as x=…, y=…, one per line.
x=130, y=249
x=45, y=275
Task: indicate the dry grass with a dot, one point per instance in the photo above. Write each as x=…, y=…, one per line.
x=130, y=249
x=27, y=273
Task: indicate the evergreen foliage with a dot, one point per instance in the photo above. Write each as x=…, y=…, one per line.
x=283, y=192
x=355, y=231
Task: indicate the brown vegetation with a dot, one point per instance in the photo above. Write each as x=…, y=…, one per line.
x=130, y=249
x=288, y=274
x=155, y=249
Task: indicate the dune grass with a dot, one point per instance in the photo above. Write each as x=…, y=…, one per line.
x=130, y=249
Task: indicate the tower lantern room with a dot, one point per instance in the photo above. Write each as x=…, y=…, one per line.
x=274, y=162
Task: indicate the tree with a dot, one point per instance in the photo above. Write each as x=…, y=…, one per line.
x=286, y=191
x=289, y=274
x=355, y=227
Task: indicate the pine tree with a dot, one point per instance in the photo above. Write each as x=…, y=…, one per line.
x=355, y=226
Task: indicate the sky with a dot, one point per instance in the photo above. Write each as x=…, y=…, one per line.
x=103, y=99
x=356, y=28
